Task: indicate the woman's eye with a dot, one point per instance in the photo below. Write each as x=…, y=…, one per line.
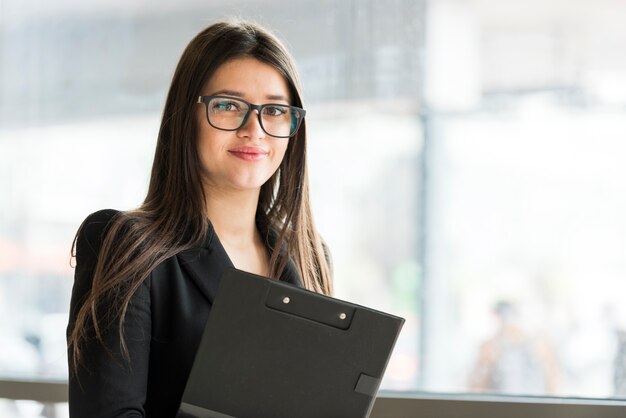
x=274, y=110
x=226, y=106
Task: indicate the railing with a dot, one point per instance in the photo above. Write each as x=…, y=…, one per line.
x=44, y=391
x=397, y=404
x=427, y=405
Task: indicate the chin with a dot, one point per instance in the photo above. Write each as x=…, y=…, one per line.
x=249, y=184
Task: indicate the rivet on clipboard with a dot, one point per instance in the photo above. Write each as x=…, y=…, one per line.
x=286, y=299
x=342, y=316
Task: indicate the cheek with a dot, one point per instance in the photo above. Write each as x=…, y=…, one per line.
x=280, y=151
x=209, y=141
x=207, y=151
x=203, y=147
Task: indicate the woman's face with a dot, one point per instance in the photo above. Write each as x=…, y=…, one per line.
x=246, y=158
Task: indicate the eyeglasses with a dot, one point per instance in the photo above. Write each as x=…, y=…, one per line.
x=229, y=114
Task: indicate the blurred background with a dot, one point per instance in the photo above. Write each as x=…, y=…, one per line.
x=467, y=160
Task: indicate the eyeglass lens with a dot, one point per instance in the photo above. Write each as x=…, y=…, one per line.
x=230, y=114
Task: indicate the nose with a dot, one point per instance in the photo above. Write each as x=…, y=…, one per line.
x=252, y=128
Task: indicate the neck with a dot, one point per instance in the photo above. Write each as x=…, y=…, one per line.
x=233, y=215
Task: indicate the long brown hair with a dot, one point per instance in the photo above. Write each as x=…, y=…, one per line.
x=173, y=215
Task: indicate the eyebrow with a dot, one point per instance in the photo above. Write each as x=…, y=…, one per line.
x=239, y=94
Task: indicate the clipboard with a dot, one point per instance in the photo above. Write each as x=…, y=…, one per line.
x=270, y=349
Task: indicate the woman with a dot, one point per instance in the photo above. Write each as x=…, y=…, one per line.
x=228, y=188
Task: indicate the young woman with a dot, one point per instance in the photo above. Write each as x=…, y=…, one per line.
x=228, y=188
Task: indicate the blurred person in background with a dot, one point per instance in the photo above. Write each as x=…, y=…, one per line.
x=512, y=361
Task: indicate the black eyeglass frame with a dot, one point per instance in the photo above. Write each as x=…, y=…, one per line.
x=301, y=113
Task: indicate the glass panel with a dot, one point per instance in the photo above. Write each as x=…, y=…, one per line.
x=525, y=242
x=466, y=178
x=10, y=408
x=81, y=91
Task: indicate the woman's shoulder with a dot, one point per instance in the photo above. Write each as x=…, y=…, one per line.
x=100, y=219
x=91, y=232
x=97, y=222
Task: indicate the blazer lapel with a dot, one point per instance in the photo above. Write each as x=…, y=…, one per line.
x=205, y=264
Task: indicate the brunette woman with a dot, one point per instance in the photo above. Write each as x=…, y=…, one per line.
x=228, y=188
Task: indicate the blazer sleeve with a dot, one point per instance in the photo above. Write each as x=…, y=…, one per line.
x=107, y=384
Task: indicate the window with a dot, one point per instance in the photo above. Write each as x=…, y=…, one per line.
x=524, y=238
x=465, y=158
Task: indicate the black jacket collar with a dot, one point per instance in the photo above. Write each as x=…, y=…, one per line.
x=206, y=263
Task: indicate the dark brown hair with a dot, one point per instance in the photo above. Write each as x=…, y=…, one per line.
x=173, y=215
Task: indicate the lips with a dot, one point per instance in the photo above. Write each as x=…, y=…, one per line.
x=249, y=153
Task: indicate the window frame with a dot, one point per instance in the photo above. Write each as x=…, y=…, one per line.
x=397, y=404
x=428, y=404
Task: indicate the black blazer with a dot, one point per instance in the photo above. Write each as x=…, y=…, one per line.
x=164, y=323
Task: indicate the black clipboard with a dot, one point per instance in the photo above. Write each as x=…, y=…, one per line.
x=270, y=349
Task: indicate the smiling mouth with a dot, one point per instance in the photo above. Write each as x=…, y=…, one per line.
x=249, y=153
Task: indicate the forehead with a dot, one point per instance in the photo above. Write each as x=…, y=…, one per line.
x=248, y=76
